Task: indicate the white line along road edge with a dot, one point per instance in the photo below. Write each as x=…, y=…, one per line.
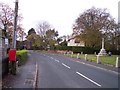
x=99, y=67
x=65, y=65
x=88, y=79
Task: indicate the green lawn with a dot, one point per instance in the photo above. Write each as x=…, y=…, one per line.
x=104, y=59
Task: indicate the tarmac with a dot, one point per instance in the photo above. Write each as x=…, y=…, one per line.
x=27, y=73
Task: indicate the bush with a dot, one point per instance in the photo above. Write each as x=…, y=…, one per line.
x=77, y=49
x=21, y=56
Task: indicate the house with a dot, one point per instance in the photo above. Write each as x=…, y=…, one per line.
x=73, y=41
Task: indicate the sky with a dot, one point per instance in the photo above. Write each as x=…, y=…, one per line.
x=61, y=14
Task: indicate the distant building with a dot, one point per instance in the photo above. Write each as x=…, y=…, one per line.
x=73, y=41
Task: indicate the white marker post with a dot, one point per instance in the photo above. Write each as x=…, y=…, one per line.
x=64, y=53
x=71, y=54
x=117, y=62
x=78, y=55
x=86, y=57
x=98, y=59
x=95, y=53
x=81, y=52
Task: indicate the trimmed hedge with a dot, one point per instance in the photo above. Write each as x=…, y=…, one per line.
x=22, y=56
x=85, y=50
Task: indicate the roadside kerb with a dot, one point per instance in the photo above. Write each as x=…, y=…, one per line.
x=35, y=78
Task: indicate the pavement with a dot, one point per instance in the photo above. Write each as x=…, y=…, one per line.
x=25, y=78
x=51, y=70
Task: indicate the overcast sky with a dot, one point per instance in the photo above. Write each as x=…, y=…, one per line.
x=61, y=14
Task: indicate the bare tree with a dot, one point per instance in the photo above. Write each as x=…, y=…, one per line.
x=42, y=28
x=6, y=16
x=20, y=33
x=7, y=20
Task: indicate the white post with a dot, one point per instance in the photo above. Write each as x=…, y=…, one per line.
x=98, y=59
x=78, y=55
x=85, y=56
x=67, y=53
x=95, y=53
x=64, y=53
x=71, y=54
x=81, y=52
x=117, y=62
x=102, y=43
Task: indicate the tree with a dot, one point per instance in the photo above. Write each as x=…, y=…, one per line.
x=42, y=28
x=35, y=40
x=31, y=31
x=6, y=16
x=92, y=25
x=51, y=37
x=7, y=19
x=50, y=34
x=20, y=33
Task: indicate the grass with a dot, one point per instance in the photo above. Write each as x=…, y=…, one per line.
x=111, y=60
x=22, y=56
x=104, y=59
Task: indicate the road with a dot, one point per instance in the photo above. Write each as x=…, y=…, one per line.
x=55, y=71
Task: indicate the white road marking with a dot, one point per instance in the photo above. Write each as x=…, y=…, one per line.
x=57, y=60
x=51, y=57
x=65, y=65
x=35, y=78
x=98, y=67
x=88, y=79
x=48, y=56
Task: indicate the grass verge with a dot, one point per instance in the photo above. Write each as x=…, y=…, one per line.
x=111, y=60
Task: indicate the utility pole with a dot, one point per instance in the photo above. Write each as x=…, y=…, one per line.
x=12, y=52
x=15, y=24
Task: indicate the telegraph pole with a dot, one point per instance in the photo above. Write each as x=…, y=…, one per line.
x=14, y=62
x=15, y=24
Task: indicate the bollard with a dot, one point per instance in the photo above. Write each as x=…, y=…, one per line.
x=86, y=57
x=81, y=52
x=78, y=55
x=98, y=59
x=117, y=62
x=67, y=53
x=95, y=53
x=71, y=54
x=64, y=53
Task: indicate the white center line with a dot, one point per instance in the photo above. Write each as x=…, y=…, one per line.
x=88, y=79
x=51, y=57
x=65, y=65
x=57, y=60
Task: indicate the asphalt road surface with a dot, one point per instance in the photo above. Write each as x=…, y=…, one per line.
x=55, y=71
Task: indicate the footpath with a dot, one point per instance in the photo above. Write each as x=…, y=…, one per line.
x=25, y=78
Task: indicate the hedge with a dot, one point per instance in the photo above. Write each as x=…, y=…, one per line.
x=22, y=56
x=85, y=50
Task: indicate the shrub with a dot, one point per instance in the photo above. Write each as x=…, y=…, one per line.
x=22, y=56
x=77, y=49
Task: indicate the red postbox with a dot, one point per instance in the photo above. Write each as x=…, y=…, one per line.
x=12, y=55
